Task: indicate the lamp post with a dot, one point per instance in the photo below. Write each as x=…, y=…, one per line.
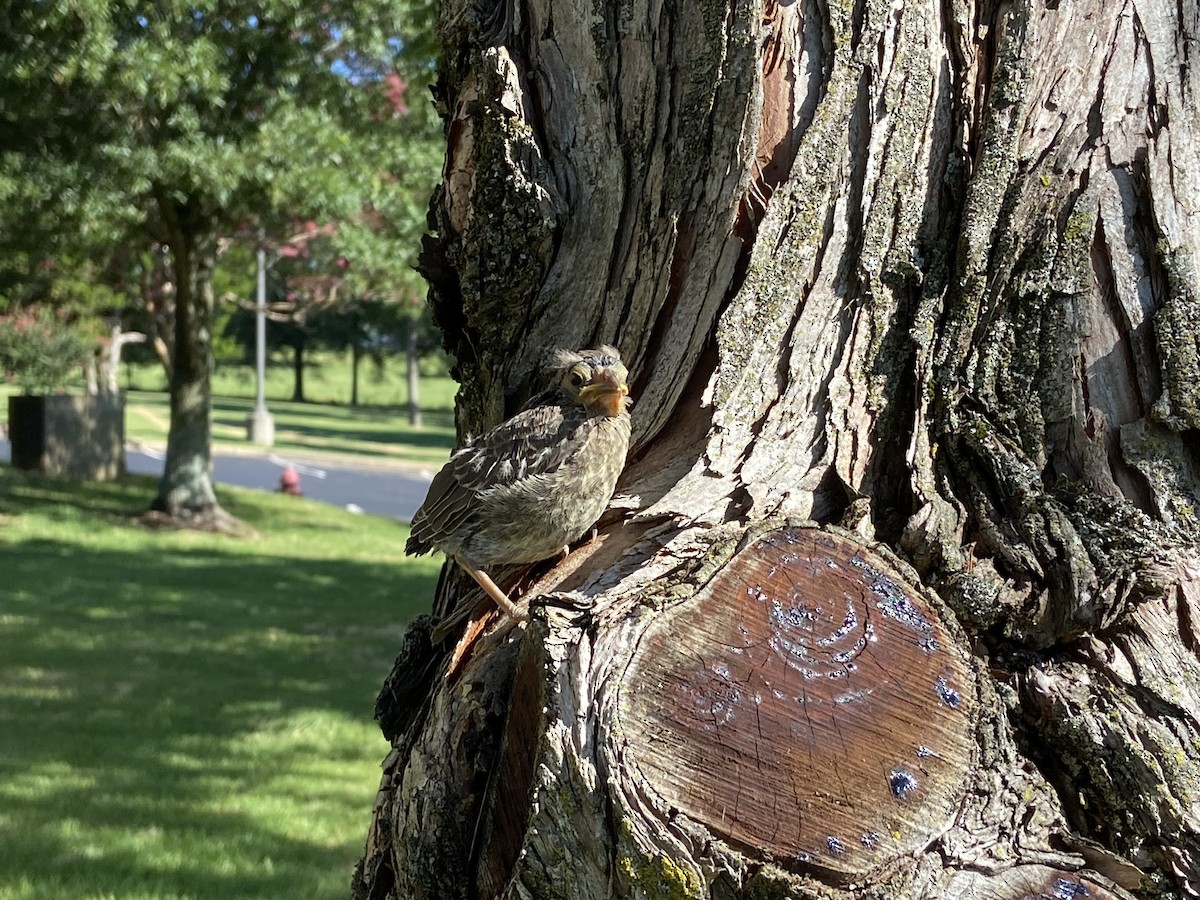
x=260, y=427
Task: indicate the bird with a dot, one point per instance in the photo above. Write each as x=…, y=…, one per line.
x=524, y=490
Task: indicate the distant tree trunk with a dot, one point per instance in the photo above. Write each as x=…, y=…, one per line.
x=355, y=359
x=413, y=361
x=185, y=491
x=900, y=594
x=158, y=299
x=109, y=357
x=298, y=367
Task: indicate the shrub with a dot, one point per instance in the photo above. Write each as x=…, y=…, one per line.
x=41, y=350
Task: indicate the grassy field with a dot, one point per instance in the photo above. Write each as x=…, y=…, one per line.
x=326, y=380
x=376, y=433
x=186, y=715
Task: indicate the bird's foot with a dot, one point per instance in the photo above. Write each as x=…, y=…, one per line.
x=502, y=599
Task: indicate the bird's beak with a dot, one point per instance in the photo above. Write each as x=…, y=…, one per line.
x=607, y=391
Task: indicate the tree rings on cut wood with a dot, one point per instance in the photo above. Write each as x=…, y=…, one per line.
x=808, y=704
x=1030, y=883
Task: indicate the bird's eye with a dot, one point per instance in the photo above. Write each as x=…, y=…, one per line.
x=576, y=379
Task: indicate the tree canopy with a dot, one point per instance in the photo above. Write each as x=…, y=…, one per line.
x=239, y=108
x=175, y=124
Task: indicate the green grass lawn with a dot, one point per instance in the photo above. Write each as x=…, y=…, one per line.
x=188, y=715
x=326, y=380
x=378, y=433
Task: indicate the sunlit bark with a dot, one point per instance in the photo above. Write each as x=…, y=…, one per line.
x=922, y=274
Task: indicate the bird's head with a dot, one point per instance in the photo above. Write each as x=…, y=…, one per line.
x=596, y=378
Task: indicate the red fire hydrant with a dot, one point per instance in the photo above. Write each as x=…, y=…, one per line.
x=289, y=482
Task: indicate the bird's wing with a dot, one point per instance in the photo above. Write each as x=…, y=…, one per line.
x=535, y=441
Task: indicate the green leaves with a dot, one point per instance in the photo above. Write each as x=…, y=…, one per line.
x=40, y=351
x=237, y=107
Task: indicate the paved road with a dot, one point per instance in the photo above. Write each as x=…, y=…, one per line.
x=383, y=492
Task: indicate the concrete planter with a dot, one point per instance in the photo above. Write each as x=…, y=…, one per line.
x=68, y=436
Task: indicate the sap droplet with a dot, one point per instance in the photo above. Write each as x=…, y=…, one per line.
x=859, y=563
x=948, y=695
x=849, y=624
x=902, y=782
x=895, y=605
x=852, y=697
x=1065, y=889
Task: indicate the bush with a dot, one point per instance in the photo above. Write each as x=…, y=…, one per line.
x=40, y=350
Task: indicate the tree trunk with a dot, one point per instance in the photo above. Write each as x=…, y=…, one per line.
x=899, y=594
x=413, y=362
x=185, y=492
x=355, y=359
x=110, y=358
x=158, y=299
x=298, y=367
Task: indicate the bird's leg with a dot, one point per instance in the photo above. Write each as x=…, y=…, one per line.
x=492, y=589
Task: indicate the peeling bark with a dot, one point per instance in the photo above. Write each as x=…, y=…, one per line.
x=924, y=271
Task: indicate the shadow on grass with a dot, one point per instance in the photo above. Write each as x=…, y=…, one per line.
x=71, y=500
x=174, y=723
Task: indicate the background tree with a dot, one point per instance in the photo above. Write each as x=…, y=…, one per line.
x=306, y=290
x=926, y=271
x=319, y=298
x=184, y=120
x=382, y=246
x=376, y=329
x=41, y=352
x=64, y=311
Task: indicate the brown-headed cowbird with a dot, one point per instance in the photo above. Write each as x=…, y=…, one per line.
x=522, y=491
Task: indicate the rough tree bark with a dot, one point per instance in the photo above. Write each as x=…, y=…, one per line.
x=900, y=593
